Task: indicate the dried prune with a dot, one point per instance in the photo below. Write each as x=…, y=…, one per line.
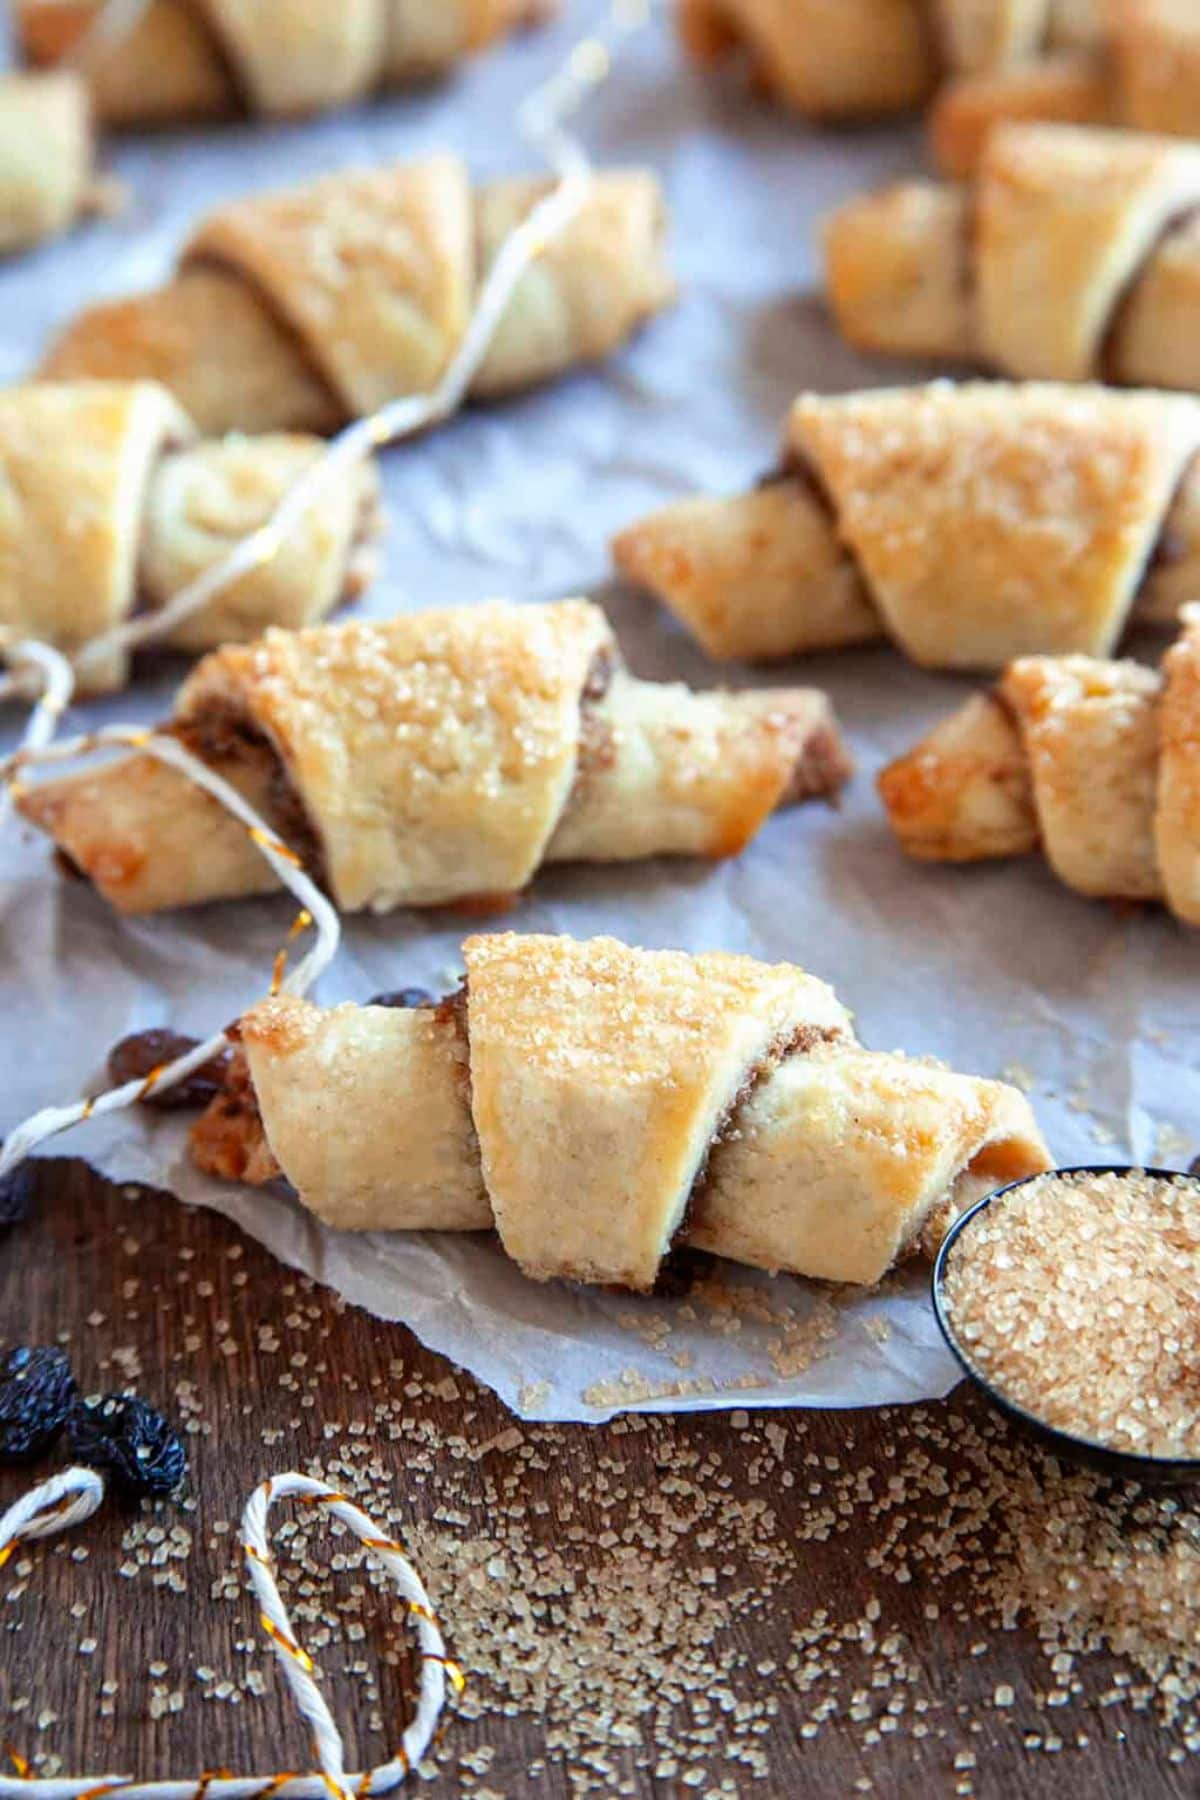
x=138, y=1055
x=410, y=997
x=130, y=1441
x=17, y=1190
x=36, y=1392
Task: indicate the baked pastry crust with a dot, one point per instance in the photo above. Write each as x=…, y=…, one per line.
x=846, y=1159
x=77, y=465
x=591, y=288
x=214, y=342
x=299, y=310
x=427, y=37
x=422, y=746
x=860, y=58
x=1139, y=68
x=602, y=1103
x=1066, y=89
x=370, y=268
x=991, y=34
x=971, y=524
x=439, y=757
x=406, y=1070
x=188, y=59
x=46, y=154
x=630, y=1063
x=206, y=499
x=759, y=576
x=111, y=503
x=1094, y=762
x=863, y=58
x=1041, y=277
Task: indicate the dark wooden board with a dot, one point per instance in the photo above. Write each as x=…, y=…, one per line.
x=616, y=1527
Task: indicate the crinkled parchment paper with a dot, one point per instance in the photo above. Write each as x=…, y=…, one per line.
x=996, y=969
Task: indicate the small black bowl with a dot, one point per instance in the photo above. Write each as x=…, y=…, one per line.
x=1160, y=1471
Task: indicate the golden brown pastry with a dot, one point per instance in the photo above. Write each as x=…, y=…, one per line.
x=1076, y=257
x=600, y=1105
x=46, y=179
x=862, y=58
x=437, y=757
x=855, y=59
x=1095, y=763
x=108, y=503
x=188, y=59
x=1141, y=72
x=971, y=524
x=977, y=35
x=299, y=310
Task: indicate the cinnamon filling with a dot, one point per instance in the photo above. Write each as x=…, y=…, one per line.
x=822, y=769
x=596, y=750
x=800, y=1042
x=228, y=1139
x=361, y=564
x=228, y=740
x=794, y=468
x=1106, y=356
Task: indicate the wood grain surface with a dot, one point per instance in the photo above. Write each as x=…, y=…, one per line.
x=775, y=1643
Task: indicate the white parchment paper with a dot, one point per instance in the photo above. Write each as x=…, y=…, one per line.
x=996, y=970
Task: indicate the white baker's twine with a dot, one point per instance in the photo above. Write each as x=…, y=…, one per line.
x=316, y=910
x=55, y=685
x=69, y=1498
x=541, y=123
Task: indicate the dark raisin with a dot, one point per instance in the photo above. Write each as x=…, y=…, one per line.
x=679, y=1272
x=120, y=1434
x=37, y=1389
x=136, y=1057
x=412, y=997
x=17, y=1191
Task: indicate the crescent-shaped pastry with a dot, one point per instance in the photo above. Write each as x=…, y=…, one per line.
x=110, y=503
x=706, y=1100
x=438, y=757
x=855, y=59
x=970, y=524
x=190, y=59
x=1076, y=256
x=302, y=309
x=1095, y=763
x=847, y=59
x=46, y=151
x=1142, y=73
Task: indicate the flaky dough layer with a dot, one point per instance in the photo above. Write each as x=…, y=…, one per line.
x=191, y=59
x=1056, y=266
x=1095, y=763
x=970, y=524
x=112, y=505
x=301, y=309
x=439, y=757
x=596, y=1102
